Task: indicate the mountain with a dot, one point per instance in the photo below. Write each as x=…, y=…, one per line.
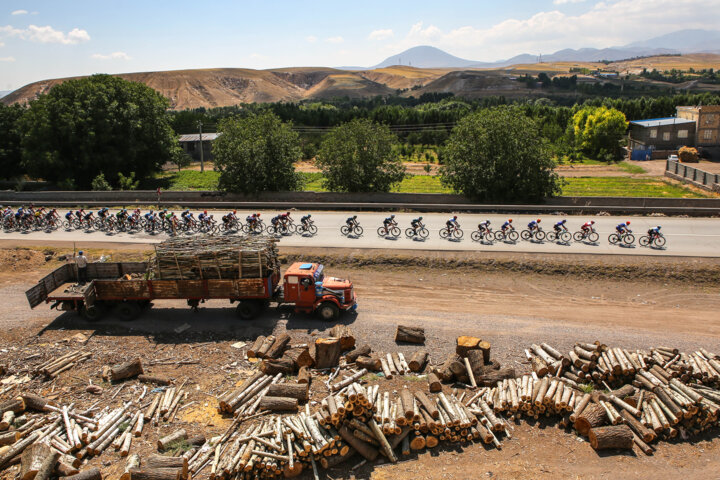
x=4, y=93
x=684, y=41
x=425, y=57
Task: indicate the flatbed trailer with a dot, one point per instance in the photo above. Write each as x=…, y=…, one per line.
x=125, y=288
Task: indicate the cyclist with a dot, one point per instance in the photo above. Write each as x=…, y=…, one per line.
x=587, y=227
x=285, y=218
x=79, y=214
x=50, y=215
x=452, y=223
x=416, y=224
x=483, y=227
x=276, y=220
x=534, y=225
x=560, y=226
x=149, y=215
x=250, y=220
x=305, y=220
x=187, y=216
x=507, y=225
x=88, y=218
x=121, y=215
x=229, y=218
x=352, y=222
x=102, y=213
x=623, y=228
x=653, y=233
x=389, y=222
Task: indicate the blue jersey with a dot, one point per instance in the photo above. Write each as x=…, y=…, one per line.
x=532, y=224
x=622, y=227
x=506, y=225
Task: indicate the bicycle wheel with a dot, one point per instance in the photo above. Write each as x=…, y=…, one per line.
x=565, y=237
x=540, y=235
x=659, y=241
x=395, y=231
x=358, y=230
x=513, y=236
x=409, y=232
x=578, y=236
x=291, y=228
x=444, y=233
x=458, y=233
x=382, y=232
x=593, y=237
x=526, y=234
x=644, y=241
x=629, y=239
x=500, y=236
x=551, y=236
x=613, y=238
x=476, y=236
x=312, y=229
x=344, y=229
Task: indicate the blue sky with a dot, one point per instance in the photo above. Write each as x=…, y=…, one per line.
x=57, y=38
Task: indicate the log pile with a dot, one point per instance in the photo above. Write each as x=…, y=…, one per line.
x=52, y=368
x=211, y=257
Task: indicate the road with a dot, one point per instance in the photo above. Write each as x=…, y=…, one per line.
x=685, y=236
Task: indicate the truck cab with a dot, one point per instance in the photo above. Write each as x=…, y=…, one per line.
x=306, y=286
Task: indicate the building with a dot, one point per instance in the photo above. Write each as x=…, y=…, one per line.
x=190, y=143
x=659, y=135
x=707, y=125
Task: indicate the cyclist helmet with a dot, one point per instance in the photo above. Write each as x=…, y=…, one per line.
x=627, y=223
x=309, y=215
x=509, y=220
x=392, y=216
x=538, y=220
x=564, y=220
x=454, y=217
x=234, y=212
x=419, y=218
x=288, y=213
x=659, y=227
x=80, y=252
x=488, y=221
x=205, y=212
x=592, y=222
x=354, y=216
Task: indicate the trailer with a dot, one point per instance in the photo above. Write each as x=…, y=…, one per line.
x=127, y=288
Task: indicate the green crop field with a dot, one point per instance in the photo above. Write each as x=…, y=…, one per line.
x=624, y=187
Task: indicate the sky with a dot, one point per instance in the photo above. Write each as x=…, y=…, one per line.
x=42, y=39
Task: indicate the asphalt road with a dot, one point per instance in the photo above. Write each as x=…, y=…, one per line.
x=685, y=236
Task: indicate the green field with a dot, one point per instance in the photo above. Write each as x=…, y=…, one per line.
x=574, y=186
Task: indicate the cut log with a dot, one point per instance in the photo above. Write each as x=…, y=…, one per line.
x=34, y=402
x=160, y=461
x=347, y=339
x=361, y=351
x=417, y=443
x=155, y=380
x=155, y=474
x=176, y=436
x=329, y=462
x=539, y=366
x=252, y=351
x=267, y=343
x=125, y=370
x=197, y=440
x=32, y=460
x=372, y=364
x=278, y=347
x=89, y=474
x=418, y=361
x=491, y=377
x=277, y=365
x=327, y=352
x=477, y=362
x=298, y=391
x=410, y=334
x=614, y=436
x=451, y=367
x=132, y=463
x=278, y=404
x=466, y=343
x=368, y=452
x=300, y=356
x=624, y=391
x=434, y=383
x=303, y=376
x=485, y=348
x=593, y=416
x=16, y=405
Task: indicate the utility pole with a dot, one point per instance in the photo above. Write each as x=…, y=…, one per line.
x=202, y=154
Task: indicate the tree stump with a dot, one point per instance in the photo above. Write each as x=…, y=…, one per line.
x=303, y=376
x=485, y=348
x=278, y=346
x=614, y=436
x=327, y=352
x=418, y=361
x=279, y=365
x=176, y=436
x=125, y=370
x=278, y=404
x=410, y=334
x=465, y=344
x=298, y=391
x=593, y=416
x=434, y=383
x=347, y=339
x=300, y=356
x=371, y=364
x=361, y=351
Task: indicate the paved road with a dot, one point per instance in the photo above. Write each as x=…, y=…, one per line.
x=685, y=236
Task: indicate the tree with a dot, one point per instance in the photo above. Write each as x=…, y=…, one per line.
x=358, y=156
x=598, y=130
x=498, y=155
x=127, y=183
x=98, y=124
x=100, y=184
x=256, y=154
x=10, y=151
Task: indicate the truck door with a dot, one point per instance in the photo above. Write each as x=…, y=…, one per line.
x=291, y=288
x=306, y=292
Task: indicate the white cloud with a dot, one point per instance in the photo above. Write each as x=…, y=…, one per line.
x=112, y=56
x=380, y=34
x=20, y=12
x=605, y=24
x=2, y=44
x=7, y=59
x=337, y=39
x=46, y=34
x=311, y=38
x=563, y=2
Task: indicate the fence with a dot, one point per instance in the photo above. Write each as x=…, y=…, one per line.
x=699, y=178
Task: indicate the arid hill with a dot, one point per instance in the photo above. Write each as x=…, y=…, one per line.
x=219, y=87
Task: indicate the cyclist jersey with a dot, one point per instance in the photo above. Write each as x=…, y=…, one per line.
x=532, y=224
x=506, y=225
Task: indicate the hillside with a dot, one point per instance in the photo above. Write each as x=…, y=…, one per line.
x=230, y=86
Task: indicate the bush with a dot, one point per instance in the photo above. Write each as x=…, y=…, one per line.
x=99, y=184
x=359, y=156
x=127, y=183
x=498, y=155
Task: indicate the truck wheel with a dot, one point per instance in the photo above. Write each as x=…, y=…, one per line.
x=328, y=311
x=127, y=311
x=248, y=309
x=92, y=313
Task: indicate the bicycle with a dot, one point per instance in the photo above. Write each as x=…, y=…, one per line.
x=421, y=232
x=256, y=228
x=310, y=228
x=657, y=241
x=510, y=234
x=483, y=235
x=563, y=236
x=456, y=233
x=537, y=234
x=626, y=238
x=355, y=229
x=389, y=231
x=589, y=235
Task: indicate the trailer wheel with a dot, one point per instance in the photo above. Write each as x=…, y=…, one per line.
x=248, y=309
x=328, y=311
x=127, y=311
x=93, y=313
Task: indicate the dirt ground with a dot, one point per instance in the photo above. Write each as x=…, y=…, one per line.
x=511, y=306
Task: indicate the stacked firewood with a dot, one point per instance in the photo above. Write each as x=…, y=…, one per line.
x=53, y=367
x=215, y=258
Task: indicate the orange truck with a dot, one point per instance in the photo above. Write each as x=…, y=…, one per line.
x=125, y=289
